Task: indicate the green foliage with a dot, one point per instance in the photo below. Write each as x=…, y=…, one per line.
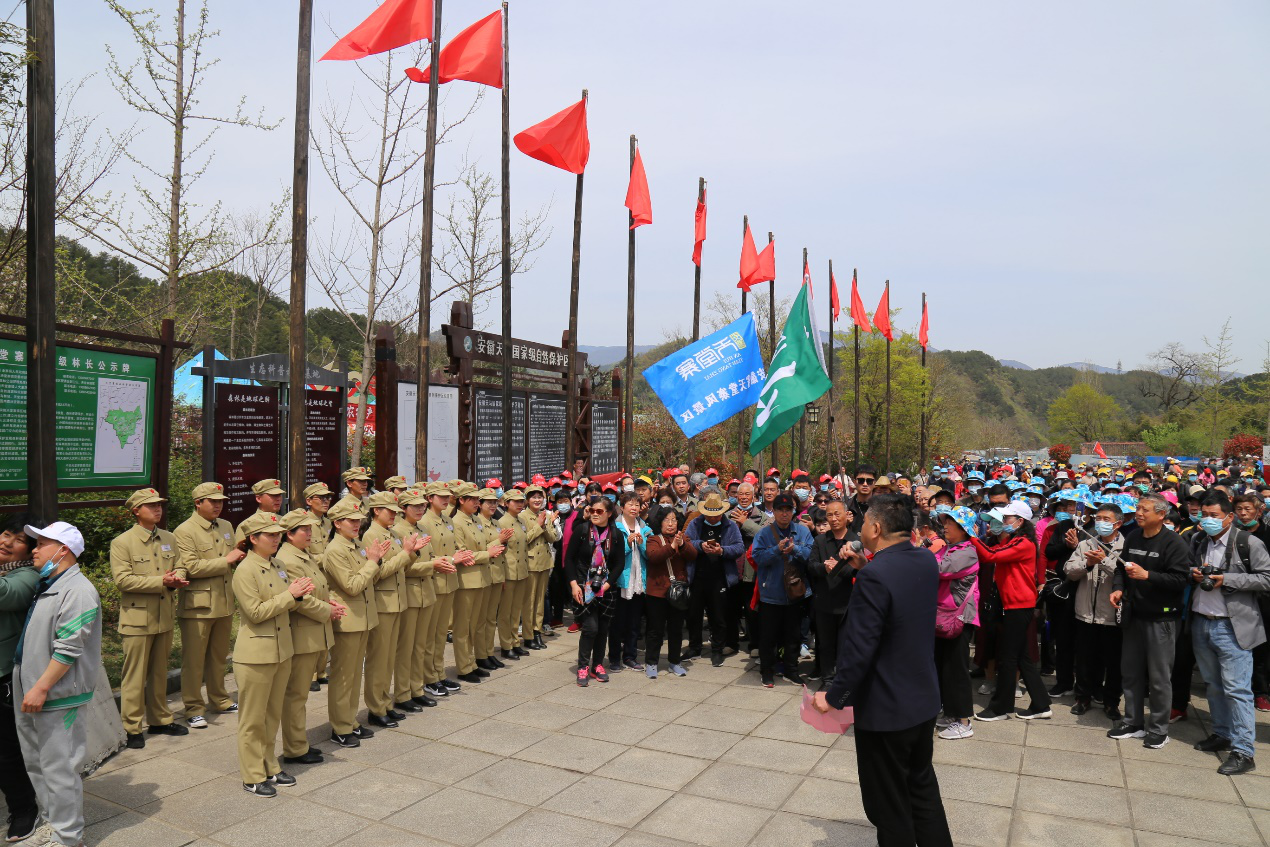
x=1084, y=413
x=1162, y=438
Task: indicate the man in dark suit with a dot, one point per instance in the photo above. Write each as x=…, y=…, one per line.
x=886, y=671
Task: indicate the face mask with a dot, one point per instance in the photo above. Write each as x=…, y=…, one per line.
x=498, y=491
x=1145, y=489
x=628, y=488
x=996, y=527
x=1248, y=524
x=714, y=522
x=1213, y=526
x=612, y=498
x=733, y=502
x=1007, y=529
x=932, y=511
x=975, y=489
x=1266, y=500
x=49, y=567
x=824, y=486
x=712, y=480
x=1034, y=502
x=801, y=494
x=1192, y=477
x=1169, y=527
x=1104, y=528
x=1062, y=516
x=564, y=508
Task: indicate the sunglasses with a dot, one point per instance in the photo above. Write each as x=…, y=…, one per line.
x=600, y=511
x=866, y=480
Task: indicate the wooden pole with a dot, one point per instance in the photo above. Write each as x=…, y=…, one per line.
x=830, y=467
x=922, y=449
x=507, y=265
x=740, y=419
x=41, y=281
x=299, y=257
x=629, y=408
x=856, y=333
x=888, y=387
x=425, y=259
x=771, y=340
x=571, y=393
x=802, y=420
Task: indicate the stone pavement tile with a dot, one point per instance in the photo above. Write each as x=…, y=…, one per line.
x=827, y=798
x=310, y=778
x=722, y=718
x=785, y=830
x=387, y=744
x=378, y=835
x=651, y=767
x=763, y=788
x=1261, y=818
x=1076, y=767
x=764, y=700
x=497, y=737
x=976, y=825
x=1010, y=731
x=373, y=793
x=1254, y=792
x=1032, y=829
x=701, y=820
x=126, y=758
x=1159, y=839
x=522, y=684
x=628, y=731
x=1058, y=737
x=689, y=690
x=477, y=700
x=148, y=780
x=441, y=763
x=1196, y=783
x=95, y=809
x=846, y=741
x=645, y=839
x=296, y=822
x=540, y=828
x=995, y=788
x=219, y=755
x=541, y=714
x=628, y=680
x=437, y=722
x=839, y=765
x=457, y=816
x=135, y=830
x=595, y=696
x=523, y=782
x=776, y=755
x=725, y=674
x=599, y=799
x=791, y=728
x=977, y=753
x=206, y=808
x=1099, y=803
x=691, y=741
x=1176, y=752
x=647, y=706
x=573, y=753
x=1192, y=818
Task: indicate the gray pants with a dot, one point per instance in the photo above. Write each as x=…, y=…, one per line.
x=54, y=746
x=1146, y=671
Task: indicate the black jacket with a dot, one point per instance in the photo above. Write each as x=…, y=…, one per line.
x=581, y=547
x=831, y=592
x=1168, y=558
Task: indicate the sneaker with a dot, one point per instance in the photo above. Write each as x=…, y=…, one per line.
x=768, y=681
x=956, y=730
x=716, y=659
x=1113, y=714
x=260, y=789
x=989, y=715
x=1080, y=707
x=650, y=671
x=22, y=824
x=1176, y=715
x=282, y=778
x=632, y=664
x=986, y=688
x=233, y=707
x=450, y=685
x=349, y=740
x=1261, y=703
x=1019, y=693
x=1154, y=741
x=678, y=670
x=583, y=674
x=168, y=729
x=943, y=721
x=436, y=689
x=1124, y=730
x=197, y=722
x=363, y=732
x=1060, y=691
x=804, y=652
x=599, y=673
x=573, y=627
x=1031, y=714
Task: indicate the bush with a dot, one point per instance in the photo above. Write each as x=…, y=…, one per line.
x=1242, y=445
x=1060, y=453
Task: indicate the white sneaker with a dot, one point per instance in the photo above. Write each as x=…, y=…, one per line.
x=197, y=722
x=804, y=652
x=986, y=688
x=1019, y=694
x=943, y=721
x=956, y=730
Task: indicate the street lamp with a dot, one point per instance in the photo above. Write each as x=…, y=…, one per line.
x=813, y=413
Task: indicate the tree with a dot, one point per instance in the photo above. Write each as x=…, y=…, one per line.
x=1218, y=363
x=1172, y=377
x=1060, y=453
x=1241, y=445
x=265, y=264
x=1084, y=413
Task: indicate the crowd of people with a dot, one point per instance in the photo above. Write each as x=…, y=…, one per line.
x=1114, y=580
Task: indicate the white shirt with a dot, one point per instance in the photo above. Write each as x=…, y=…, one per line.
x=1213, y=603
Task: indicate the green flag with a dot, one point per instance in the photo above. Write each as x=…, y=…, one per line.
x=795, y=377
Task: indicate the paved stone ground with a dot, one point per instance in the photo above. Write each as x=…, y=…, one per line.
x=528, y=759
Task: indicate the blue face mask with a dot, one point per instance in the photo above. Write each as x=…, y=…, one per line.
x=1248, y=524
x=714, y=522
x=1007, y=529
x=712, y=480
x=732, y=501
x=801, y=493
x=1104, y=528
x=824, y=486
x=564, y=508
x=498, y=491
x=49, y=567
x=1062, y=516
x=612, y=498
x=554, y=490
x=1213, y=526
x=996, y=527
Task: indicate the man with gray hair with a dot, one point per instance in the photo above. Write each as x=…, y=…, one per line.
x=1148, y=590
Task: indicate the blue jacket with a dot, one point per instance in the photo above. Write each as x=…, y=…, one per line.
x=771, y=564
x=886, y=664
x=643, y=535
x=731, y=543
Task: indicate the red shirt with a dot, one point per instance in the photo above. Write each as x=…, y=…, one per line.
x=1014, y=572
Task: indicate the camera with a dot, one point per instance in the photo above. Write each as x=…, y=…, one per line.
x=1207, y=571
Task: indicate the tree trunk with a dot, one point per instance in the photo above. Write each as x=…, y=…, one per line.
x=178, y=154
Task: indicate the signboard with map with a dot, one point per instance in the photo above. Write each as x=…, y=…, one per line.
x=104, y=424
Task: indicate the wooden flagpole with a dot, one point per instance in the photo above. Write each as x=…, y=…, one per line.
x=507, y=266
x=888, y=385
x=425, y=259
x=571, y=402
x=299, y=258
x=629, y=415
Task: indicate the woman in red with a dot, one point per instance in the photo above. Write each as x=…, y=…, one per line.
x=1014, y=558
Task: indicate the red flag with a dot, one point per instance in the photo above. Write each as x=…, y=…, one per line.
x=923, y=333
x=882, y=317
x=807, y=279
x=474, y=55
x=699, y=230
x=561, y=140
x=858, y=315
x=1098, y=449
x=766, y=264
x=396, y=23
x=749, y=261
x=637, y=199
x=834, y=305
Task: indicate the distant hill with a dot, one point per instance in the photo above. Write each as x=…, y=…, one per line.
x=1010, y=363
x=610, y=355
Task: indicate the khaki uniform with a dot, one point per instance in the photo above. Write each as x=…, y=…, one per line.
x=206, y=609
x=317, y=549
x=445, y=584
x=416, y=621
x=497, y=580
x=262, y=663
x=511, y=602
x=352, y=579
x=391, y=600
x=138, y=560
x=312, y=637
x=354, y=501
x=469, y=610
x=541, y=560
x=239, y=537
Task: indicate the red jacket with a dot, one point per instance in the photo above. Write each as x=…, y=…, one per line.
x=1014, y=572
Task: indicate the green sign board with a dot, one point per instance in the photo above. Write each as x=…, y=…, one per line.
x=105, y=418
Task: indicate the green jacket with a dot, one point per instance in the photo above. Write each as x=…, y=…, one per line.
x=17, y=590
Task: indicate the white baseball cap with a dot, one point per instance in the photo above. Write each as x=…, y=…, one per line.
x=1017, y=508
x=62, y=533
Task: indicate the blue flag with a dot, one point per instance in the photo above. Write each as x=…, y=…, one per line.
x=711, y=380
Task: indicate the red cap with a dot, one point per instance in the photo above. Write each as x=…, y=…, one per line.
x=797, y=473
x=837, y=483
x=494, y=483
x=733, y=481
x=566, y=475
x=751, y=478
x=711, y=472
x=824, y=477
x=521, y=485
x=773, y=472
x=539, y=479
x=568, y=483
x=609, y=486
x=555, y=480
x=670, y=473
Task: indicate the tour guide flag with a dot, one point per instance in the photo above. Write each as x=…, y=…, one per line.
x=710, y=380
x=795, y=377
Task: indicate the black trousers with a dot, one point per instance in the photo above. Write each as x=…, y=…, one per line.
x=1261, y=657
x=736, y=609
x=709, y=595
x=593, y=635
x=899, y=788
x=780, y=630
x=557, y=595
x=1098, y=662
x=19, y=795
x=1012, y=658
x=1061, y=616
x=952, y=663
x=664, y=623
x=624, y=630
x=1184, y=669
x=828, y=624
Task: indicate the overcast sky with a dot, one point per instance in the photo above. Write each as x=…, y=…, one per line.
x=1084, y=180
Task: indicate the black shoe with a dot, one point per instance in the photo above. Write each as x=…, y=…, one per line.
x=363, y=733
x=493, y=660
x=136, y=741
x=511, y=655
x=322, y=680
x=384, y=722
x=481, y=672
x=449, y=638
x=22, y=824
x=169, y=729
x=692, y=653
x=1237, y=763
x=474, y=678
x=796, y=678
x=310, y=758
x=408, y=706
x=538, y=643
x=1030, y=714
x=486, y=665
x=349, y=740
x=1124, y=730
x=1060, y=691
x=1080, y=707
x=282, y=778
x=1113, y=714
x=260, y=789
x=521, y=651
x=450, y=685
x=395, y=715
x=768, y=682
x=230, y=709
x=424, y=701
x=313, y=686
x=436, y=689
x=1154, y=740
x=1213, y=744
x=716, y=659
x=977, y=673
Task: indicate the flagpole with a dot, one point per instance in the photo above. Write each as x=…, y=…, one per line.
x=630, y=323
x=745, y=226
x=888, y=384
x=802, y=420
x=922, y=460
x=829, y=406
x=425, y=258
x=771, y=339
x=299, y=260
x=571, y=396
x=507, y=262
x=856, y=333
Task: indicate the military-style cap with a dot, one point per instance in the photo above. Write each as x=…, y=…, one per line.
x=142, y=496
x=514, y=494
x=297, y=518
x=435, y=489
x=267, y=486
x=260, y=522
x=383, y=500
x=534, y=489
x=466, y=489
x=396, y=482
x=487, y=494
x=318, y=489
x=209, y=491
x=412, y=497
x=344, y=509
x=356, y=473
